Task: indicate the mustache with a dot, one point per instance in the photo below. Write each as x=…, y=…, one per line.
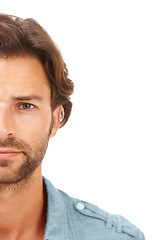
x=13, y=143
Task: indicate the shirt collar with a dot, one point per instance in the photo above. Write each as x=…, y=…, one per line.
x=56, y=214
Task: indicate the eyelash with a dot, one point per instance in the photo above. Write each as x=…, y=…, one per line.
x=21, y=104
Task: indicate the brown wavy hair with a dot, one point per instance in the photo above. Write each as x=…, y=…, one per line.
x=20, y=37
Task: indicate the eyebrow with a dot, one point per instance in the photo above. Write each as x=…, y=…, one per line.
x=28, y=97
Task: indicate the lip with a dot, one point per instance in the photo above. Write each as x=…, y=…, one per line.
x=8, y=153
x=5, y=150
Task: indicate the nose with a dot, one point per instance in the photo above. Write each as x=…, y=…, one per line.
x=6, y=122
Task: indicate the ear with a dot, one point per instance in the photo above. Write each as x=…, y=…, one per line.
x=56, y=120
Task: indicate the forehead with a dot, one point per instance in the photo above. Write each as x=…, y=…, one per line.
x=22, y=75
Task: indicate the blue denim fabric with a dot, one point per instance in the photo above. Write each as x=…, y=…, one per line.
x=73, y=219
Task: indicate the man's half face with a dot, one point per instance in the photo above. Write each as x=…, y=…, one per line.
x=25, y=117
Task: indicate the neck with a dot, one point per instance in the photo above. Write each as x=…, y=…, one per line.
x=23, y=209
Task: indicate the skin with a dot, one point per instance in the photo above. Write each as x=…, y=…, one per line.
x=25, y=126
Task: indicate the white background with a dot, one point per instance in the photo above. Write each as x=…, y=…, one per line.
x=108, y=153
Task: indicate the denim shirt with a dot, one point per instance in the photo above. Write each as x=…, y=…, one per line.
x=72, y=219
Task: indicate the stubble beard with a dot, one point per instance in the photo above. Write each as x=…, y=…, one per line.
x=13, y=178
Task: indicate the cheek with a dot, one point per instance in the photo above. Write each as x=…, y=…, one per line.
x=34, y=128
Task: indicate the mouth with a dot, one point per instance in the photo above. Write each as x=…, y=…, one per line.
x=8, y=153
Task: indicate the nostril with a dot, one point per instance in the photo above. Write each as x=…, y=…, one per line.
x=10, y=134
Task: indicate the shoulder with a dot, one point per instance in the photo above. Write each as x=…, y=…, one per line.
x=70, y=218
x=91, y=222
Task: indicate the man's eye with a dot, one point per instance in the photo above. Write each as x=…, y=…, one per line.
x=26, y=106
